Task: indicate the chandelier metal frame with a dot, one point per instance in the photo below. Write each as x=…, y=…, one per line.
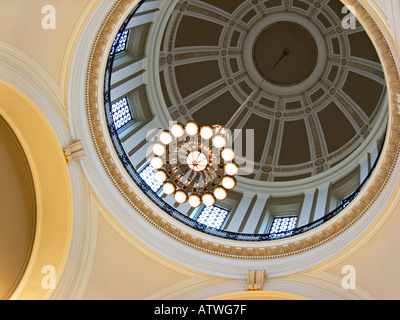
x=195, y=163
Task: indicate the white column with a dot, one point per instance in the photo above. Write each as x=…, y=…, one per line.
x=149, y=6
x=265, y=222
x=127, y=71
x=240, y=213
x=255, y=215
x=364, y=169
x=140, y=20
x=169, y=199
x=142, y=153
x=126, y=87
x=139, y=136
x=374, y=153
x=320, y=207
x=305, y=214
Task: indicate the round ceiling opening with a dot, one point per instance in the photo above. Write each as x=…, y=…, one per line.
x=302, y=95
x=285, y=53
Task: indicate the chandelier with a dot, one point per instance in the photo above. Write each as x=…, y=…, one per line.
x=194, y=163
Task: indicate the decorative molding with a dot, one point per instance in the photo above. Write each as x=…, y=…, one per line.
x=255, y=280
x=74, y=151
x=398, y=104
x=313, y=286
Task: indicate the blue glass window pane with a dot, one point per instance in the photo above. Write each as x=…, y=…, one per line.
x=121, y=113
x=147, y=174
x=213, y=216
x=283, y=224
x=122, y=39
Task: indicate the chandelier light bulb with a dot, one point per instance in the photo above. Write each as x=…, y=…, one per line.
x=231, y=169
x=156, y=162
x=228, y=154
x=160, y=176
x=158, y=149
x=220, y=193
x=219, y=141
x=197, y=161
x=180, y=196
x=165, y=137
x=208, y=199
x=194, y=200
x=177, y=130
x=220, y=130
x=228, y=182
x=168, y=188
x=191, y=128
x=206, y=132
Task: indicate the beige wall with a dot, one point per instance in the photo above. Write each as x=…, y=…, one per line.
x=120, y=271
x=21, y=27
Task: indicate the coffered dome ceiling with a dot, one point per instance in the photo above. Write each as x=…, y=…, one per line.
x=311, y=90
x=297, y=82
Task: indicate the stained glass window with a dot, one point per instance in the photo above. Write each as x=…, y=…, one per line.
x=213, y=216
x=122, y=40
x=121, y=113
x=283, y=224
x=147, y=174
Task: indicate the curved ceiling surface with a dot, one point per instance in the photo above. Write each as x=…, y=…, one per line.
x=289, y=71
x=298, y=83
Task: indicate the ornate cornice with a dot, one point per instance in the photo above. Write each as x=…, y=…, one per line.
x=244, y=250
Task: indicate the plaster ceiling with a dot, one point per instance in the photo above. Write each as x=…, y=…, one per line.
x=309, y=88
